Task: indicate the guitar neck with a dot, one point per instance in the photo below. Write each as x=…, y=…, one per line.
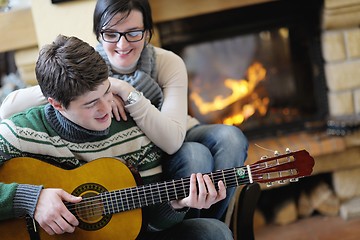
x=150, y=194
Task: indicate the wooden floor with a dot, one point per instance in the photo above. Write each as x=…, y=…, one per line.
x=313, y=228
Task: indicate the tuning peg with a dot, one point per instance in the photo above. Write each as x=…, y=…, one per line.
x=282, y=181
x=287, y=150
x=269, y=184
x=294, y=179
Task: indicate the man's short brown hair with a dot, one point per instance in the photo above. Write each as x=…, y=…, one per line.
x=68, y=68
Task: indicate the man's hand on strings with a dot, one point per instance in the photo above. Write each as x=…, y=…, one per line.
x=202, y=194
x=52, y=214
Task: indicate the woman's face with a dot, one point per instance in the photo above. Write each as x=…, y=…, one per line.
x=124, y=55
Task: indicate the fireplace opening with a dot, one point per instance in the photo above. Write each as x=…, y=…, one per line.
x=258, y=67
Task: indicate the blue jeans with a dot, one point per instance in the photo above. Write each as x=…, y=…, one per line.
x=193, y=229
x=207, y=148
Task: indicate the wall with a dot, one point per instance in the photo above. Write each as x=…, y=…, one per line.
x=73, y=18
x=341, y=52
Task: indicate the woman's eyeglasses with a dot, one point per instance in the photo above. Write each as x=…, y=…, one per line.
x=114, y=37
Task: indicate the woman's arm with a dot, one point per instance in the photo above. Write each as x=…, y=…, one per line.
x=166, y=128
x=20, y=100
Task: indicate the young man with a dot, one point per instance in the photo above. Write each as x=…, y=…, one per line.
x=76, y=127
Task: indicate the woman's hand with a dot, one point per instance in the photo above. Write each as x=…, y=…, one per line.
x=118, y=109
x=120, y=88
x=202, y=196
x=52, y=214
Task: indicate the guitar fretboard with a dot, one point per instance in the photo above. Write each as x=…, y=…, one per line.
x=150, y=194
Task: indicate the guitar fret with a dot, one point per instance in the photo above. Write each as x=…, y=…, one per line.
x=106, y=203
x=116, y=201
x=141, y=196
x=237, y=182
x=171, y=190
x=132, y=197
x=102, y=196
x=111, y=205
x=127, y=200
x=137, y=191
x=216, y=178
x=122, y=203
x=166, y=191
x=152, y=195
x=157, y=184
x=224, y=179
x=145, y=197
x=183, y=186
x=176, y=197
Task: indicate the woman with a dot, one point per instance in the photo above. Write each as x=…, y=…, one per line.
x=154, y=92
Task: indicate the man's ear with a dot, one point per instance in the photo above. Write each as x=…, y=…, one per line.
x=57, y=105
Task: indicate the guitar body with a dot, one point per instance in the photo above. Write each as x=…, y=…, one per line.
x=105, y=174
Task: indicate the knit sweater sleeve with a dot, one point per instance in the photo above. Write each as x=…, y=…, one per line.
x=7, y=193
x=166, y=127
x=25, y=199
x=18, y=101
x=18, y=200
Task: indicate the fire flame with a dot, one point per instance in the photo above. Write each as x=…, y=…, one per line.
x=241, y=89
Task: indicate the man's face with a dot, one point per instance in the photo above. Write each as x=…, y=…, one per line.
x=91, y=110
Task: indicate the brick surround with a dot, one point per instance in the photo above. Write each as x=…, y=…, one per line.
x=341, y=52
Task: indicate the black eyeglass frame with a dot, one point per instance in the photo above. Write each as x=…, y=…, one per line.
x=120, y=34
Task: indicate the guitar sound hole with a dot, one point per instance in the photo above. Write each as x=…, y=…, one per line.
x=90, y=211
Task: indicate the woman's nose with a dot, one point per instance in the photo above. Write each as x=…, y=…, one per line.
x=122, y=43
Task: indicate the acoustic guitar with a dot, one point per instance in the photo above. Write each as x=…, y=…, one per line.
x=112, y=201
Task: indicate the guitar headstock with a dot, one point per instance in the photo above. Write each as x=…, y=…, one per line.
x=282, y=167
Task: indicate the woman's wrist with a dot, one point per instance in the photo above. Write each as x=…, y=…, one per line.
x=120, y=88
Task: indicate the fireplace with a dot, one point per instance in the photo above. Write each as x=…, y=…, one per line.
x=258, y=67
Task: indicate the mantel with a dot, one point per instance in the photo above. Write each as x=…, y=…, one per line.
x=165, y=10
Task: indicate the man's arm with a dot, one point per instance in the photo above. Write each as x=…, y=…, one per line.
x=7, y=193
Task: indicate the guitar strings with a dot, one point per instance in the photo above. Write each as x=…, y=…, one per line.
x=159, y=186
x=99, y=205
x=254, y=168
x=97, y=198
x=135, y=199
